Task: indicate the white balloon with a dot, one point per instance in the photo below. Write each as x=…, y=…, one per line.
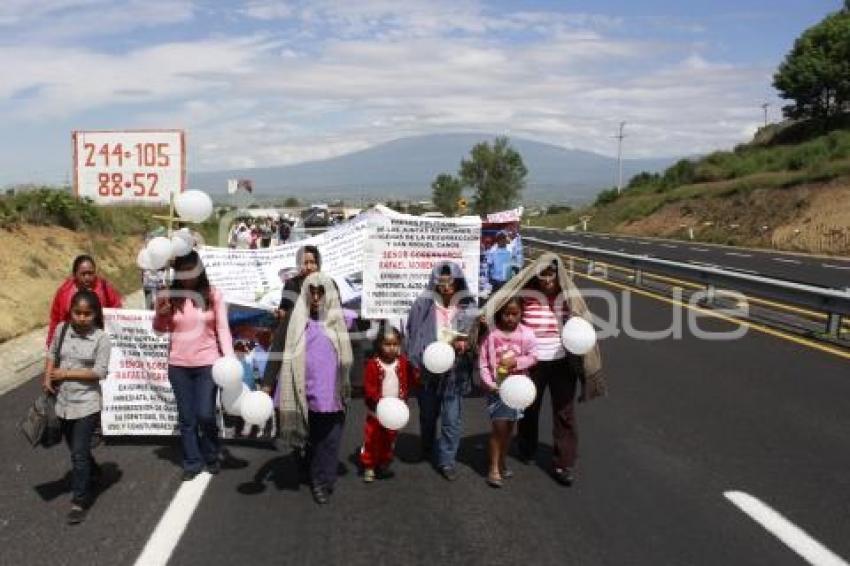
x=143, y=260
x=180, y=246
x=231, y=397
x=392, y=413
x=256, y=407
x=517, y=391
x=578, y=336
x=159, y=251
x=194, y=206
x=438, y=357
x=227, y=372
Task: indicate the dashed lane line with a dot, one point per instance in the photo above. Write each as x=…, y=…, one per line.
x=174, y=521
x=790, y=534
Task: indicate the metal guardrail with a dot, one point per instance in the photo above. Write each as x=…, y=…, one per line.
x=833, y=302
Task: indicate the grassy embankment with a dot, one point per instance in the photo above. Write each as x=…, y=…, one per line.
x=788, y=189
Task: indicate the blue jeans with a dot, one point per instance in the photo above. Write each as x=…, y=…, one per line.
x=194, y=392
x=446, y=404
x=78, y=434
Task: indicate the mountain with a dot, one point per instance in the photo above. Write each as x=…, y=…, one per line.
x=404, y=168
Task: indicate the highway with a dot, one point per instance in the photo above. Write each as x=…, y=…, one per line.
x=814, y=270
x=687, y=421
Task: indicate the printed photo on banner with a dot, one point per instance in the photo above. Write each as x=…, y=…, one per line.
x=501, y=250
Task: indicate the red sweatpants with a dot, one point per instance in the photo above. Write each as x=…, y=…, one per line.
x=378, y=443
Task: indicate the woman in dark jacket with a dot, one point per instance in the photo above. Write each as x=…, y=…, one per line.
x=444, y=311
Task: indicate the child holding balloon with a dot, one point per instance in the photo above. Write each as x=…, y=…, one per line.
x=387, y=375
x=508, y=349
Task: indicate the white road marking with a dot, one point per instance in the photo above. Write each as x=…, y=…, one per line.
x=736, y=254
x=790, y=534
x=785, y=260
x=830, y=266
x=173, y=523
x=669, y=246
x=641, y=242
x=750, y=271
x=702, y=263
x=698, y=249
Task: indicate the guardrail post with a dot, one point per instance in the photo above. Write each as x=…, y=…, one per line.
x=833, y=325
x=638, y=277
x=710, y=294
x=591, y=267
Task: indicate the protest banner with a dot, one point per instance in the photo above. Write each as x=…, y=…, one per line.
x=137, y=396
x=247, y=276
x=401, y=251
x=504, y=216
x=132, y=166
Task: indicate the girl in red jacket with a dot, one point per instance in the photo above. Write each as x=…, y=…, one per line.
x=387, y=374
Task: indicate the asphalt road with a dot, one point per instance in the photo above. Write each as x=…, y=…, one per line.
x=686, y=421
x=831, y=272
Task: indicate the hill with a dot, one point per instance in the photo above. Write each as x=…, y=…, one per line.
x=405, y=168
x=772, y=192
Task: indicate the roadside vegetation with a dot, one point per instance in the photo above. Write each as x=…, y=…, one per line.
x=762, y=192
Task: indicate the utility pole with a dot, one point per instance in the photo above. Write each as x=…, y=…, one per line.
x=620, y=137
x=765, y=107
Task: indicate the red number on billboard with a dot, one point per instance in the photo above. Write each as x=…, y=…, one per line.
x=117, y=186
x=104, y=151
x=103, y=184
x=138, y=185
x=154, y=178
x=162, y=154
x=90, y=158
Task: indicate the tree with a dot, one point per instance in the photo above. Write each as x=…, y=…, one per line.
x=497, y=174
x=291, y=202
x=816, y=73
x=445, y=191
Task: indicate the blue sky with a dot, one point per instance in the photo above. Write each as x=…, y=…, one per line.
x=268, y=82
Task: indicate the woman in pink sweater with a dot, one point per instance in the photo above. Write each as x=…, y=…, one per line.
x=508, y=349
x=195, y=315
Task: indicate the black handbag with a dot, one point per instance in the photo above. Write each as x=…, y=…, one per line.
x=40, y=424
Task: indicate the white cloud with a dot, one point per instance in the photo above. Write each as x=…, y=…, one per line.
x=351, y=75
x=266, y=10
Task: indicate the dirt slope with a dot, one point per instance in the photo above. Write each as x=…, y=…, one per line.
x=34, y=260
x=810, y=218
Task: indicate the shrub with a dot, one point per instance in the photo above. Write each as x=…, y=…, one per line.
x=606, y=197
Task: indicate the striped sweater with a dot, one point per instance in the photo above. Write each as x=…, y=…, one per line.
x=546, y=320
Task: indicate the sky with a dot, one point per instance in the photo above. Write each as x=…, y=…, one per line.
x=258, y=83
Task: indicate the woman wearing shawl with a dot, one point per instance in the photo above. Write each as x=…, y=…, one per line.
x=314, y=380
x=549, y=298
x=445, y=309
